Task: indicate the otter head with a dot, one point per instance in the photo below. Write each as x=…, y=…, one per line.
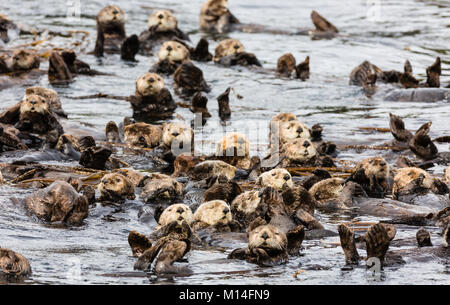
x=162, y=21
x=286, y=64
x=34, y=104
x=275, y=178
x=247, y=202
x=149, y=84
x=375, y=167
x=293, y=130
x=299, y=150
x=267, y=237
x=233, y=144
x=327, y=189
x=134, y=176
x=215, y=212
x=406, y=175
x=23, y=60
x=215, y=8
x=176, y=212
x=177, y=133
x=228, y=47
x=173, y=51
x=212, y=168
x=111, y=17
x=283, y=118
x=142, y=134
x=116, y=184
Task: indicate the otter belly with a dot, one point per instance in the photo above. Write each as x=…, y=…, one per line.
x=390, y=208
x=418, y=95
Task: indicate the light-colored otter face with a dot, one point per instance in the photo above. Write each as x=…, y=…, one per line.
x=176, y=212
x=24, y=60
x=233, y=144
x=276, y=178
x=117, y=184
x=327, y=189
x=111, y=15
x=283, y=118
x=34, y=104
x=447, y=175
x=163, y=21
x=228, y=47
x=299, y=150
x=246, y=202
x=142, y=134
x=173, y=51
x=375, y=167
x=214, y=8
x=407, y=174
x=176, y=133
x=210, y=168
x=293, y=130
x=213, y=212
x=267, y=237
x=149, y=84
x=134, y=176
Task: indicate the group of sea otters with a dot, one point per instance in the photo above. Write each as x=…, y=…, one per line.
x=197, y=200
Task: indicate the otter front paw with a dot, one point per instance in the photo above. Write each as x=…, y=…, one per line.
x=139, y=243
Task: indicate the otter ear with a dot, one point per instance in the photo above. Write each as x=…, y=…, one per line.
x=259, y=221
x=29, y=91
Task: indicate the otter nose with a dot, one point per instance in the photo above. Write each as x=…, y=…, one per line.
x=169, y=48
x=33, y=102
x=160, y=16
x=236, y=46
x=141, y=139
x=180, y=210
x=151, y=79
x=175, y=134
x=286, y=177
x=115, y=12
x=300, y=130
x=382, y=163
x=226, y=210
x=306, y=144
x=265, y=236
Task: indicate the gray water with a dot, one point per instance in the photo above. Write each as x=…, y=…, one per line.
x=414, y=30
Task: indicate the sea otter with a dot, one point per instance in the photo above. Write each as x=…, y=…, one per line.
x=176, y=212
x=59, y=202
x=231, y=52
x=286, y=67
x=13, y=266
x=302, y=152
x=142, y=135
x=215, y=214
x=33, y=115
x=177, y=137
x=275, y=178
x=171, y=244
x=115, y=188
x=234, y=148
x=152, y=101
x=111, y=37
x=134, y=176
x=373, y=175
x=171, y=55
x=162, y=26
x=21, y=61
x=248, y=206
x=160, y=188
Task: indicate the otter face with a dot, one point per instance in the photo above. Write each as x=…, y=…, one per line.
x=228, y=47
x=176, y=212
x=327, y=189
x=407, y=174
x=115, y=184
x=134, y=176
x=213, y=212
x=142, y=134
x=267, y=237
x=111, y=15
x=211, y=168
x=163, y=21
x=375, y=167
x=173, y=51
x=276, y=178
x=23, y=60
x=34, y=104
x=149, y=84
x=293, y=130
x=246, y=202
x=215, y=7
x=177, y=132
x=299, y=150
x=284, y=118
x=160, y=187
x=233, y=144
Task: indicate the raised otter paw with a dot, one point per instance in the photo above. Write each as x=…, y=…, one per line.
x=348, y=245
x=378, y=239
x=139, y=243
x=295, y=238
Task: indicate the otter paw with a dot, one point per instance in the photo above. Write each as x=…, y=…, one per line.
x=347, y=238
x=423, y=238
x=139, y=243
x=295, y=238
x=378, y=239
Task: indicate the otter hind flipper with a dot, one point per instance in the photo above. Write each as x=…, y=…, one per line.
x=130, y=48
x=171, y=252
x=139, y=243
x=295, y=238
x=348, y=244
x=378, y=239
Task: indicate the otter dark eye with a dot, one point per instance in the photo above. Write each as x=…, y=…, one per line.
x=117, y=180
x=273, y=174
x=306, y=144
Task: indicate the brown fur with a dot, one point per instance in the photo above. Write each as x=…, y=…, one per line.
x=142, y=134
x=115, y=187
x=160, y=188
x=13, y=264
x=216, y=17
